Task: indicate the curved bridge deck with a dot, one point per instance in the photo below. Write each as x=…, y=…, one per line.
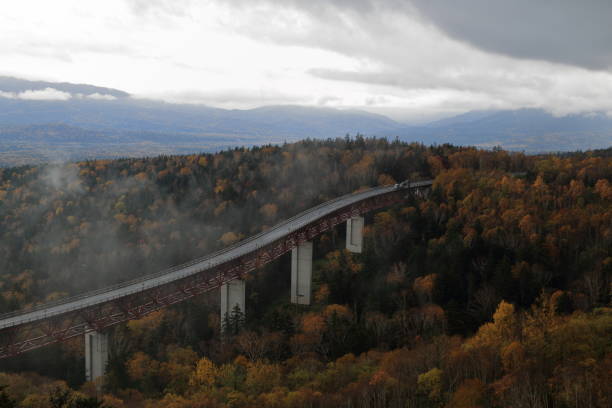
x=57, y=321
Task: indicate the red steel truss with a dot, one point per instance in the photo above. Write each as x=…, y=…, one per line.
x=18, y=339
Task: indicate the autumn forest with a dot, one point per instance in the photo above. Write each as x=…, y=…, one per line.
x=494, y=291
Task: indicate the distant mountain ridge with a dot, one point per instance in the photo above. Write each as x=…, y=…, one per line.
x=139, y=115
x=32, y=130
x=10, y=84
x=531, y=130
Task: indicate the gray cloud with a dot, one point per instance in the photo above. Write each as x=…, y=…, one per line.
x=438, y=79
x=565, y=31
x=452, y=56
x=349, y=27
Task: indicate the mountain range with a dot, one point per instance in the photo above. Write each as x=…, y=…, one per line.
x=42, y=121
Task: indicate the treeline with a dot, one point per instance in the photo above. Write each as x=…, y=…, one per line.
x=495, y=291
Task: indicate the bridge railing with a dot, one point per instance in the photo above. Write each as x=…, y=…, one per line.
x=168, y=271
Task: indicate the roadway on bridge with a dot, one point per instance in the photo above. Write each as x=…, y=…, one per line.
x=48, y=310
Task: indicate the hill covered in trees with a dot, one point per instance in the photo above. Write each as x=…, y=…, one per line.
x=494, y=291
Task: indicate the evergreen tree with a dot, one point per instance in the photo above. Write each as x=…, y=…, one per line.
x=233, y=322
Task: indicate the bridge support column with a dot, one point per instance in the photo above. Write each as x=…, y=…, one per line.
x=96, y=355
x=232, y=294
x=354, y=234
x=301, y=273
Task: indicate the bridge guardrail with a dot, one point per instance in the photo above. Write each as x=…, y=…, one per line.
x=170, y=271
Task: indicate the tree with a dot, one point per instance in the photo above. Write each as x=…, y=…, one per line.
x=229, y=238
x=262, y=377
x=234, y=321
x=5, y=400
x=65, y=398
x=60, y=398
x=471, y=393
x=204, y=374
x=269, y=211
x=430, y=385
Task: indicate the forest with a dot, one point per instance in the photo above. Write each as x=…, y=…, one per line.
x=494, y=291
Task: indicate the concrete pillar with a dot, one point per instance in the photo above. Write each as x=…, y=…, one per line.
x=96, y=355
x=354, y=234
x=232, y=294
x=301, y=273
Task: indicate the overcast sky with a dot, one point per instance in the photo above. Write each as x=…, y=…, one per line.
x=410, y=60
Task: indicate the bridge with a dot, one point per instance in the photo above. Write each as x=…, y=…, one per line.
x=90, y=313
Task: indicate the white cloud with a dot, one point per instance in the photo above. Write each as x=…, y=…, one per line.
x=47, y=94
x=52, y=94
x=8, y=95
x=100, y=97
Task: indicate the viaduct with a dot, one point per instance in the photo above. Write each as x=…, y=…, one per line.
x=90, y=313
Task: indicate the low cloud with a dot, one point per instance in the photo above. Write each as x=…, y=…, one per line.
x=328, y=100
x=52, y=94
x=232, y=98
x=63, y=177
x=98, y=96
x=47, y=94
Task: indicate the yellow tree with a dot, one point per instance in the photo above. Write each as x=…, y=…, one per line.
x=204, y=374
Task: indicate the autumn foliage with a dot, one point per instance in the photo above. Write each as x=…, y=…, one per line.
x=493, y=291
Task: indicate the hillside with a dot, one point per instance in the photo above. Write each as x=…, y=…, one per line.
x=493, y=292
